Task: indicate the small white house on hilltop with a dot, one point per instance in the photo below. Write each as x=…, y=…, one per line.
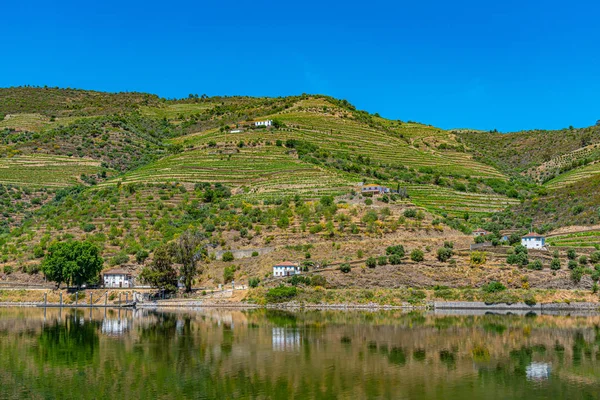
x=533, y=241
x=117, y=278
x=264, y=123
x=286, y=269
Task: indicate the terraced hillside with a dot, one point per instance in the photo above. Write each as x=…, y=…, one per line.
x=49, y=171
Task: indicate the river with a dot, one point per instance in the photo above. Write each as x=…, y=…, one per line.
x=268, y=354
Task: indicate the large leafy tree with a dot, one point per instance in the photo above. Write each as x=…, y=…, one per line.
x=161, y=274
x=72, y=262
x=188, y=252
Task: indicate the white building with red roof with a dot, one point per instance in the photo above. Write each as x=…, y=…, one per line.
x=286, y=269
x=533, y=241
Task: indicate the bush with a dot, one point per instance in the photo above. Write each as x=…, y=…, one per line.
x=479, y=239
x=536, y=265
x=119, y=259
x=417, y=255
x=595, y=257
x=371, y=262
x=410, y=213
x=571, y=254
x=519, y=259
x=444, y=254
x=228, y=256
x=345, y=268
x=141, y=256
x=281, y=293
x=382, y=260
x=397, y=250
x=395, y=259
x=255, y=254
x=253, y=282
x=299, y=279
x=583, y=260
x=577, y=274
x=449, y=245
x=228, y=274
x=572, y=264
x=8, y=269
x=318, y=280
x=555, y=264
x=88, y=227
x=478, y=257
x=493, y=287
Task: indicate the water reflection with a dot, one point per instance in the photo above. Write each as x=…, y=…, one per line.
x=280, y=354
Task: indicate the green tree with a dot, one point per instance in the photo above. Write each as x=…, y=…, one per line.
x=187, y=252
x=444, y=254
x=73, y=262
x=161, y=274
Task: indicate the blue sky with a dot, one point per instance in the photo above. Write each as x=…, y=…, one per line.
x=507, y=65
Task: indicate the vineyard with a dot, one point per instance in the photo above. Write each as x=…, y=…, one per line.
x=580, y=239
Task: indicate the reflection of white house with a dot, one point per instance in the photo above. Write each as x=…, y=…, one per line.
x=117, y=278
x=264, y=123
x=285, y=339
x=533, y=241
x=537, y=371
x=115, y=326
x=285, y=269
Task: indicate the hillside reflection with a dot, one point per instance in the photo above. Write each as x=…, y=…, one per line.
x=310, y=354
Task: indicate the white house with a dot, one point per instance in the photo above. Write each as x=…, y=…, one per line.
x=374, y=189
x=117, y=278
x=480, y=232
x=286, y=269
x=264, y=123
x=533, y=241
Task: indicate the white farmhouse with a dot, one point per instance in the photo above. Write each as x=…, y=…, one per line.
x=533, y=241
x=264, y=123
x=286, y=269
x=117, y=278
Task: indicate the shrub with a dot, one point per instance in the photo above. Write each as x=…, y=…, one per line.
x=519, y=259
x=410, y=213
x=382, y=260
x=119, y=259
x=345, y=268
x=255, y=254
x=595, y=257
x=555, y=264
x=371, y=262
x=38, y=252
x=449, y=245
x=8, y=269
x=141, y=256
x=368, y=202
x=281, y=293
x=397, y=250
x=318, y=280
x=536, y=265
x=571, y=254
x=228, y=256
x=444, y=254
x=493, y=287
x=478, y=257
x=583, y=260
x=88, y=227
x=253, y=282
x=417, y=255
x=299, y=279
x=572, y=264
x=395, y=259
x=228, y=274
x=479, y=239
x=577, y=274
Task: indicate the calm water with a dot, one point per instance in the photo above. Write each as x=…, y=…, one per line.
x=217, y=354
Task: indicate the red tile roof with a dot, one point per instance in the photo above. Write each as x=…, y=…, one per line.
x=285, y=264
x=116, y=271
x=533, y=235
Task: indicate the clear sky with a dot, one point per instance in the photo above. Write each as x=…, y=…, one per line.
x=482, y=64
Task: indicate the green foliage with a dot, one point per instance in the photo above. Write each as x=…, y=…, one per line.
x=478, y=257
x=493, y=287
x=371, y=262
x=444, y=254
x=299, y=280
x=253, y=282
x=141, y=256
x=160, y=273
x=397, y=250
x=345, y=268
x=8, y=269
x=410, y=213
x=395, y=259
x=577, y=273
x=228, y=256
x=228, y=273
x=72, y=262
x=571, y=254
x=318, y=280
x=119, y=259
x=417, y=255
x=572, y=264
x=555, y=264
x=382, y=260
x=281, y=293
x=583, y=260
x=536, y=265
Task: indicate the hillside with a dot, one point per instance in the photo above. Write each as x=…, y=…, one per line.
x=130, y=171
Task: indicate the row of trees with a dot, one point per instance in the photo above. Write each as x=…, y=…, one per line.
x=78, y=262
